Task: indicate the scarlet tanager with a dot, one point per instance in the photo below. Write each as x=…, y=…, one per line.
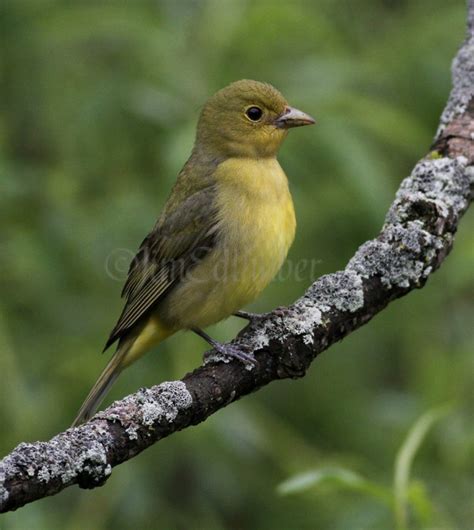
x=224, y=232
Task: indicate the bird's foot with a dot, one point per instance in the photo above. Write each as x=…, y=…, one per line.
x=252, y=317
x=228, y=350
x=234, y=352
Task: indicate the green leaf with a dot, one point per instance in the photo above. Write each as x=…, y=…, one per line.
x=404, y=461
x=338, y=477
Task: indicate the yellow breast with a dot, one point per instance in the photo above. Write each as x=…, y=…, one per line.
x=258, y=223
x=257, y=227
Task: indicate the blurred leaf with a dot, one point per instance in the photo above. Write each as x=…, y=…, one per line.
x=403, y=465
x=338, y=478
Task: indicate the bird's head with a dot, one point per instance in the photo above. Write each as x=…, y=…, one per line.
x=247, y=119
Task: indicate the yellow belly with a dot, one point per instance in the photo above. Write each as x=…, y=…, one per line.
x=257, y=226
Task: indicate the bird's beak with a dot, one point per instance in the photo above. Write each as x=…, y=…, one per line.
x=292, y=117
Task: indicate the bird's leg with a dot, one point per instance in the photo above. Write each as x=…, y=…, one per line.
x=226, y=349
x=247, y=315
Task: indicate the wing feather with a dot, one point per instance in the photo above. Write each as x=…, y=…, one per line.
x=176, y=244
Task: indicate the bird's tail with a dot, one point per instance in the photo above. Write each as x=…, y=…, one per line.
x=129, y=350
x=103, y=384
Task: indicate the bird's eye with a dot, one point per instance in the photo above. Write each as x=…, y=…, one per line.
x=254, y=113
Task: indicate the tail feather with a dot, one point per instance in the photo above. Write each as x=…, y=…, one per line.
x=130, y=348
x=102, y=386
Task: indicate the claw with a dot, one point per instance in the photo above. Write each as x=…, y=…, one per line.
x=226, y=349
x=235, y=353
x=247, y=315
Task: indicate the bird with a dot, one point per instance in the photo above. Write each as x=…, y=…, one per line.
x=223, y=234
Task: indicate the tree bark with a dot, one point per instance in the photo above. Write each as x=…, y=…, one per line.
x=417, y=235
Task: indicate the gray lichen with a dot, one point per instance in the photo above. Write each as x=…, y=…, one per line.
x=341, y=290
x=300, y=321
x=64, y=458
x=463, y=84
x=83, y=452
x=165, y=404
x=213, y=356
x=43, y=474
x=441, y=181
x=4, y=494
x=401, y=255
x=394, y=266
x=161, y=403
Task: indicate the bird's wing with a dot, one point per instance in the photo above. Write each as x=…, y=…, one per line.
x=182, y=237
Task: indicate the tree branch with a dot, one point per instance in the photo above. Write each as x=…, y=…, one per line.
x=417, y=235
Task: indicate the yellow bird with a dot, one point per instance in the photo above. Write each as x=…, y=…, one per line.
x=223, y=234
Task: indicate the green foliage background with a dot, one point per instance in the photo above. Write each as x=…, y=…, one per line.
x=98, y=105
